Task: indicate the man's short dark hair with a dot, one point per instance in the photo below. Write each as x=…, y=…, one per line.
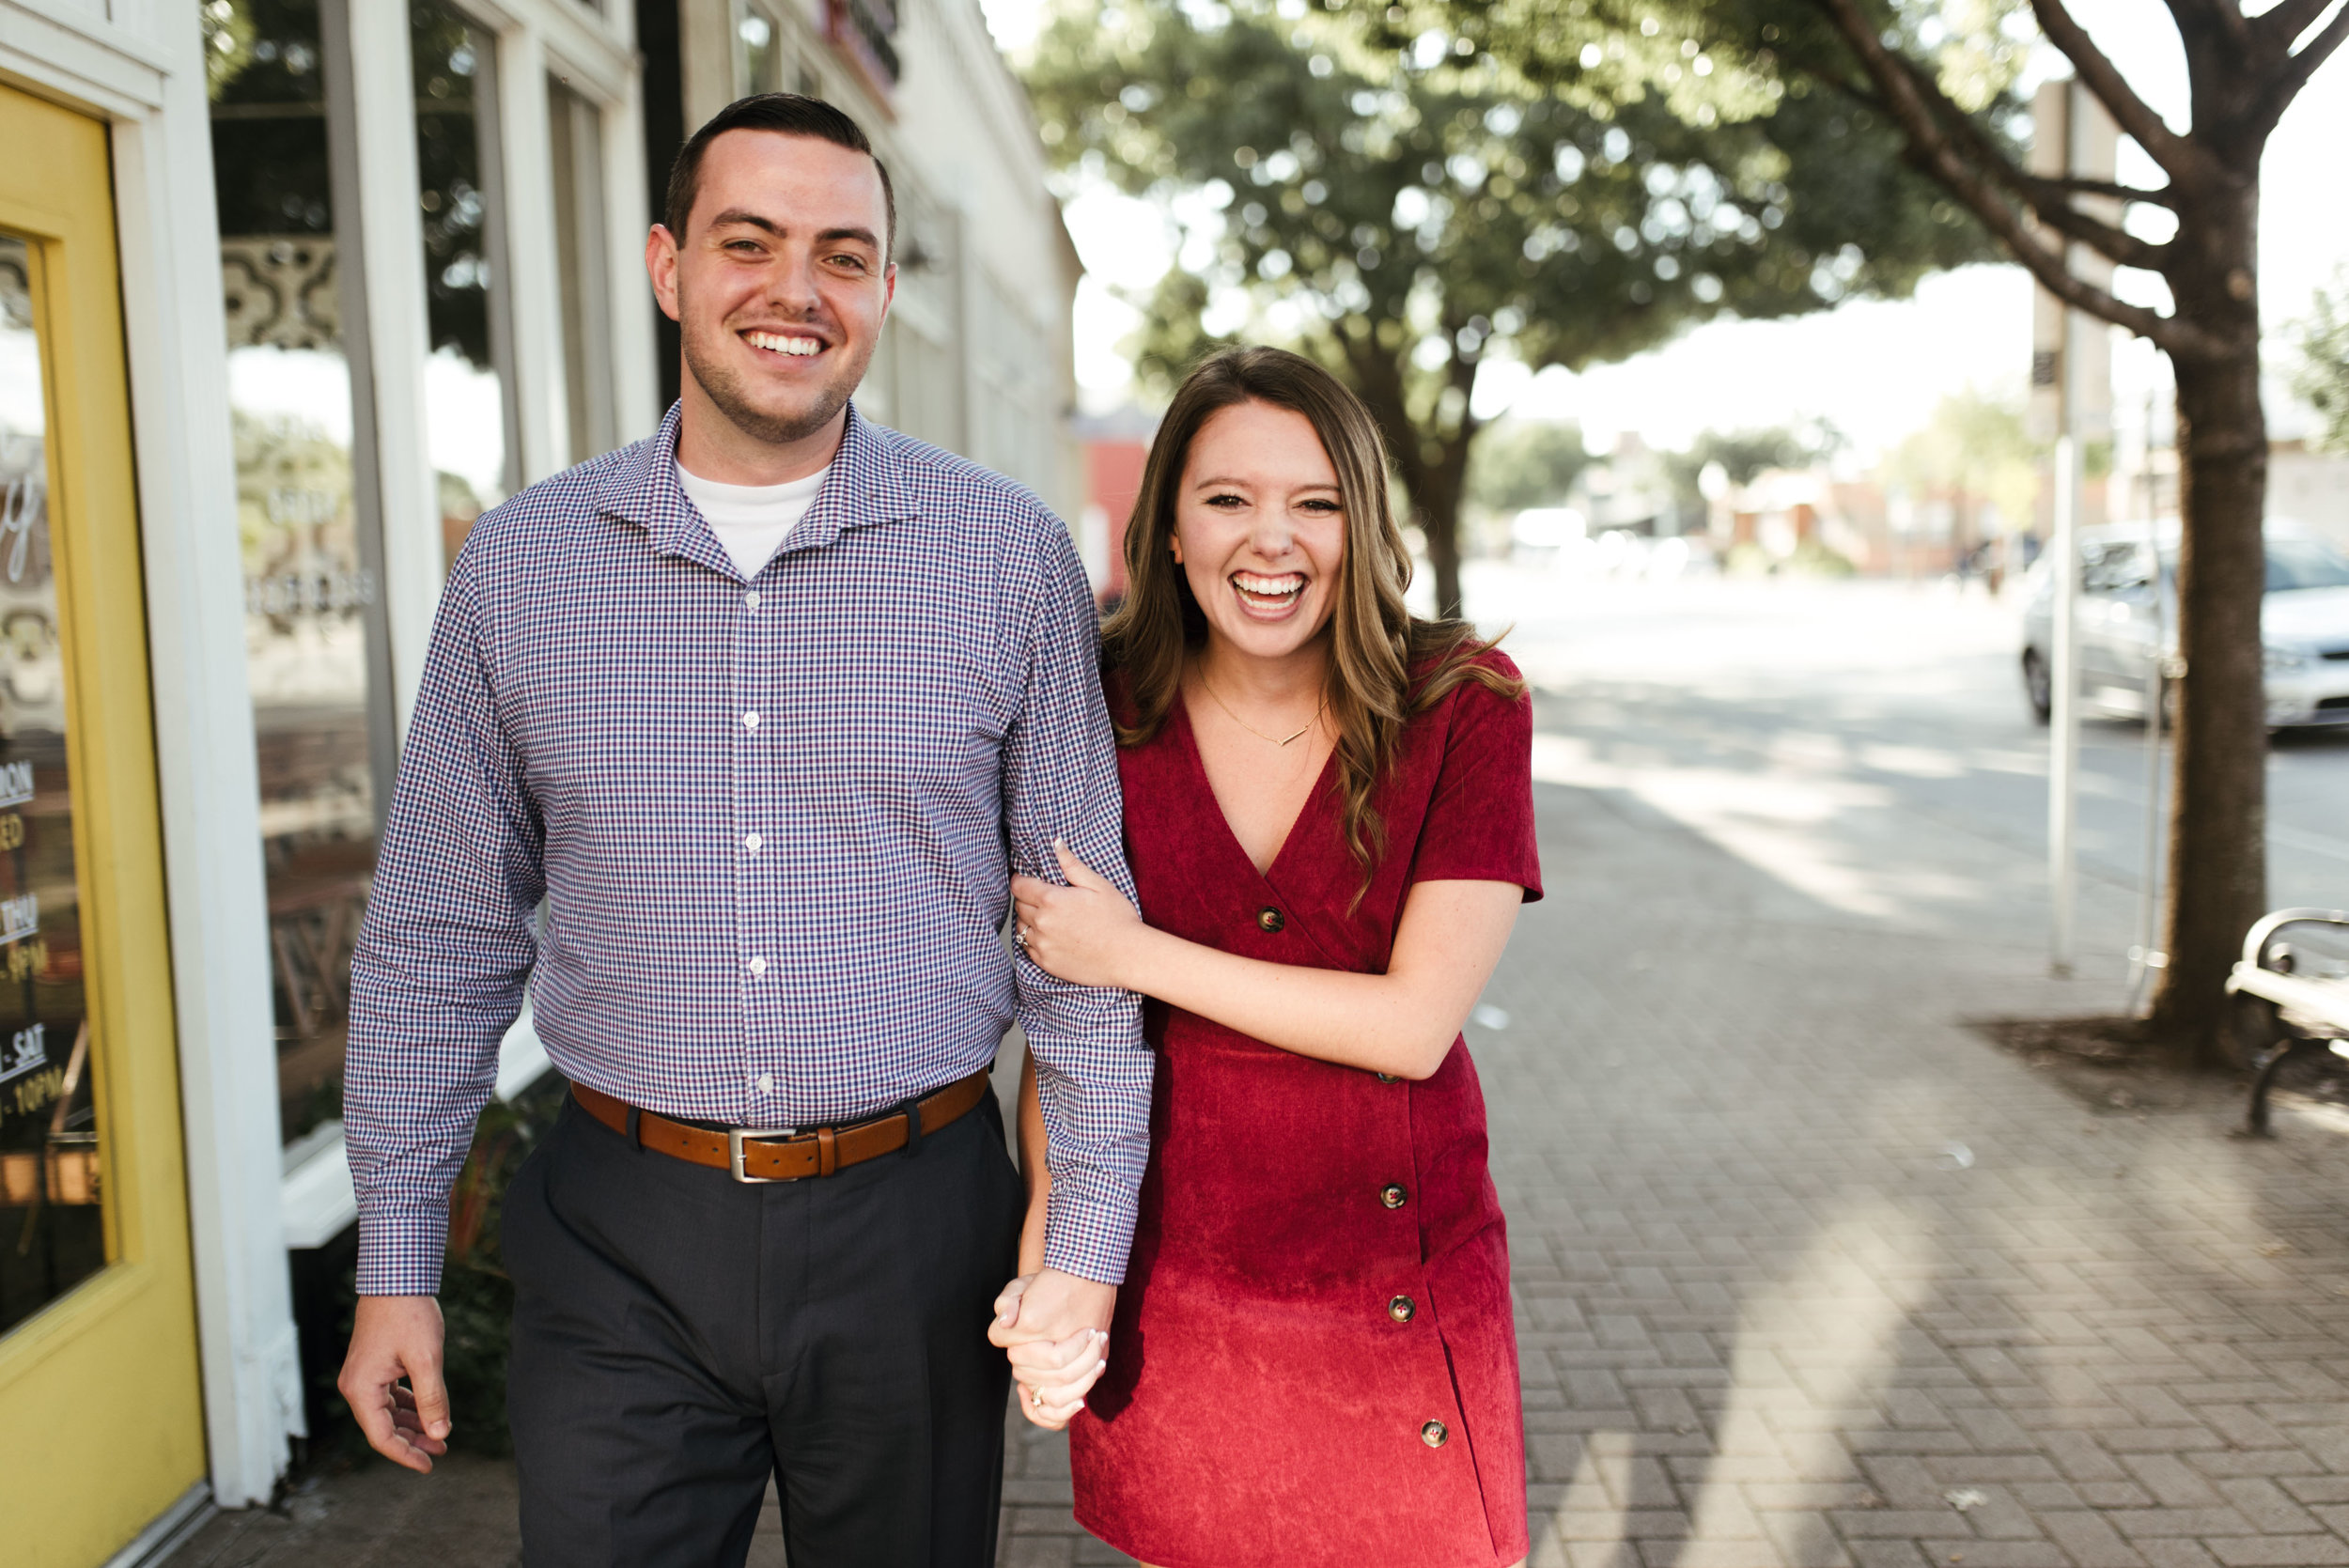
x=786, y=114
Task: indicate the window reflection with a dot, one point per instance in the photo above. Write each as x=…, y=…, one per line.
x=309, y=592
x=467, y=425
x=575, y=136
x=52, y=1221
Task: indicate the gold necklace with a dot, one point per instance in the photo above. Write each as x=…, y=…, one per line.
x=1251, y=729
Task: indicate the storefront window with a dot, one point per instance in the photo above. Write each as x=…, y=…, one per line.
x=575, y=136
x=469, y=426
x=51, y=1222
x=311, y=594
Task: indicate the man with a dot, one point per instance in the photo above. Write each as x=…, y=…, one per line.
x=765, y=709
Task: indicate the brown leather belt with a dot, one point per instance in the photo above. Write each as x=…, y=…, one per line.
x=751, y=1156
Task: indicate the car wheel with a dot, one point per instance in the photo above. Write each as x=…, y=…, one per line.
x=2037, y=686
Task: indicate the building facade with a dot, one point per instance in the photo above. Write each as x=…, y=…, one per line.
x=291, y=292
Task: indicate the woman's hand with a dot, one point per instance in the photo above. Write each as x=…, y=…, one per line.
x=1054, y=1375
x=1085, y=933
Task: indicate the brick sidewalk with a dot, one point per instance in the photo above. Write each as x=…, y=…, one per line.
x=1809, y=1274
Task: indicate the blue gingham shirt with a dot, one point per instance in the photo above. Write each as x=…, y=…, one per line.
x=773, y=822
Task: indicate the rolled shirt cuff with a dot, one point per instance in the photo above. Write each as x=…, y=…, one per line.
x=400, y=1252
x=1088, y=1234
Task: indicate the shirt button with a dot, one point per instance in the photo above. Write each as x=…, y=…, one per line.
x=1392, y=1195
x=1433, y=1435
x=754, y=843
x=758, y=966
x=750, y=720
x=1401, y=1308
x=1270, y=918
x=766, y=1083
x=750, y=601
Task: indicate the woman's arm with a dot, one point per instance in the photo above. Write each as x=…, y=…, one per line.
x=1401, y=1022
x=1034, y=1169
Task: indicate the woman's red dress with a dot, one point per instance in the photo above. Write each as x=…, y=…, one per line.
x=1313, y=1361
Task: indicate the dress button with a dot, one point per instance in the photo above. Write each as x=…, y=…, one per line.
x=766, y=1083
x=750, y=720
x=1433, y=1435
x=750, y=601
x=758, y=966
x=753, y=843
x=1400, y=1308
x=1392, y=1195
x=1270, y=918
x=1386, y=1078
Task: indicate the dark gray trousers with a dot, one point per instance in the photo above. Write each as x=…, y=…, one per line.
x=678, y=1336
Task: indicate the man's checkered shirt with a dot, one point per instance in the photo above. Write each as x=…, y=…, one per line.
x=773, y=824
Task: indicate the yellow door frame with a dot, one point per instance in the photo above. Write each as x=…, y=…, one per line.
x=99, y=1392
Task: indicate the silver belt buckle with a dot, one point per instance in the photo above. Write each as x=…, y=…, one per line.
x=734, y=1153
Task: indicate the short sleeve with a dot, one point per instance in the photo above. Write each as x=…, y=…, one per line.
x=1479, y=826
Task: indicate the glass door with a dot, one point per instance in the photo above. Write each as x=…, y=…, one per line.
x=98, y=1389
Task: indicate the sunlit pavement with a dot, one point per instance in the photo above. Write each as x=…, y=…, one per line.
x=1808, y=1273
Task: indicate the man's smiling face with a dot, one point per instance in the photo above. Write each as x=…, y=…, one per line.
x=781, y=282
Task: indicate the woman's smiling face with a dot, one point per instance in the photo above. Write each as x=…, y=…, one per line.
x=1260, y=528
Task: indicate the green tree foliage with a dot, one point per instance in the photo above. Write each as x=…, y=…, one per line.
x=1405, y=213
x=2322, y=375
x=1522, y=462
x=1746, y=454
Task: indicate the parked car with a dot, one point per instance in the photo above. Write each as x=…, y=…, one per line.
x=2304, y=622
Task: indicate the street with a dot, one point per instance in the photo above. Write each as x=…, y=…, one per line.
x=1810, y=1274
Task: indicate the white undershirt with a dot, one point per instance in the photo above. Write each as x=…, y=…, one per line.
x=752, y=520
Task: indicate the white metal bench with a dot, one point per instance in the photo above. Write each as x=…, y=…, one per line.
x=2301, y=1015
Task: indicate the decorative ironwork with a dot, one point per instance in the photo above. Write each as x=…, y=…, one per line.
x=280, y=291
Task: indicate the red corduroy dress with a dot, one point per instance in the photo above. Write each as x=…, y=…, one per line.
x=1313, y=1362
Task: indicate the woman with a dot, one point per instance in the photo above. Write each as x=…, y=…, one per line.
x=1329, y=815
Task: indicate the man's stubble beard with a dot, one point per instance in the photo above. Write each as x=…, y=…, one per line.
x=720, y=384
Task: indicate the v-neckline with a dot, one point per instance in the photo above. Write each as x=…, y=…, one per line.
x=1199, y=767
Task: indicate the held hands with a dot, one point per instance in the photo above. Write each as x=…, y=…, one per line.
x=1084, y=933
x=1056, y=1327
x=391, y=1337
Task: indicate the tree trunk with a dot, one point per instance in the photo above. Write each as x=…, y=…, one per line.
x=1438, y=503
x=2218, y=800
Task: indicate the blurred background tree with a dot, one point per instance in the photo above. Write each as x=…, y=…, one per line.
x=1746, y=454
x=1975, y=452
x=1406, y=213
x=1519, y=463
x=2322, y=375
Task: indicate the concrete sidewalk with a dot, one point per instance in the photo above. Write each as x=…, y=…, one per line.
x=1810, y=1274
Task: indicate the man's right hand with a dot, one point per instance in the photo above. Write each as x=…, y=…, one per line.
x=396, y=1337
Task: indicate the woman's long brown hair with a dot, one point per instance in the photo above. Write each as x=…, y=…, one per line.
x=1385, y=663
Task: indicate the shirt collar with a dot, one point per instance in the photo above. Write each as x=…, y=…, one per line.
x=865, y=486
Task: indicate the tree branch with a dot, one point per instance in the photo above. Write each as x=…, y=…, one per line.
x=2294, y=74
x=1931, y=148
x=2049, y=199
x=2284, y=23
x=2226, y=15
x=2185, y=162
x=2055, y=188
x=2117, y=245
